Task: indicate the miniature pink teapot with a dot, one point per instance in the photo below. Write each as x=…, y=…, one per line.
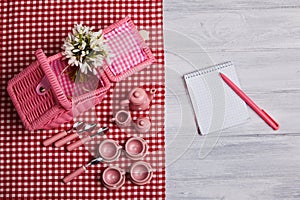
x=138, y=99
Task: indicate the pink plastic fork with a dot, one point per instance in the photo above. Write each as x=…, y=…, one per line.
x=76, y=126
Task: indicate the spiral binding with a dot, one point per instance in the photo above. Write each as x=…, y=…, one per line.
x=207, y=70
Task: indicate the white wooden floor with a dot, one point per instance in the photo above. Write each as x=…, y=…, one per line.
x=262, y=39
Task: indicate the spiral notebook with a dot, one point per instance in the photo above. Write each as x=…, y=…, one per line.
x=216, y=106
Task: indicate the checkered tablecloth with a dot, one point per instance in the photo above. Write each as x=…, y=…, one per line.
x=27, y=169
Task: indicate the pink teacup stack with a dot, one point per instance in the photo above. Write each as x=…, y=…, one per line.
x=136, y=148
x=140, y=173
x=113, y=178
x=109, y=150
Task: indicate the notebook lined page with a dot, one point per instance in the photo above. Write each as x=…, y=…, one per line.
x=216, y=106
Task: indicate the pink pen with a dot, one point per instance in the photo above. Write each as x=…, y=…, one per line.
x=267, y=118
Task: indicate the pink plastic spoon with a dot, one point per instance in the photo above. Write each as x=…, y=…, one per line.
x=80, y=142
x=81, y=169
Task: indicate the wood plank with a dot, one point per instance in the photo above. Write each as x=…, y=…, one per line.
x=286, y=115
x=266, y=167
x=194, y=6
x=265, y=71
x=238, y=30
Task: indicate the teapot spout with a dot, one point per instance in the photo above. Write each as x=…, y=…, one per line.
x=152, y=93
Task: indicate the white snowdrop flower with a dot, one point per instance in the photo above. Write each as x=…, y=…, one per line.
x=86, y=49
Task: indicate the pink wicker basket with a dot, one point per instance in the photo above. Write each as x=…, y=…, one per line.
x=53, y=106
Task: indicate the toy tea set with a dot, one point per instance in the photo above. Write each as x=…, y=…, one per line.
x=46, y=95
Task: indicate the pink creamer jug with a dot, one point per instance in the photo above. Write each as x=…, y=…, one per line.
x=142, y=125
x=138, y=99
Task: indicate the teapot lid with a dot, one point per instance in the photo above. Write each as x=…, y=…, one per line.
x=137, y=95
x=143, y=122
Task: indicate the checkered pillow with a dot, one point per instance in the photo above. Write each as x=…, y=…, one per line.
x=125, y=48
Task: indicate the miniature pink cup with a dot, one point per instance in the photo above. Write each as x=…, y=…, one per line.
x=113, y=178
x=109, y=150
x=136, y=148
x=141, y=173
x=122, y=118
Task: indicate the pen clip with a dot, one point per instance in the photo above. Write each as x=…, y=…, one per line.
x=274, y=124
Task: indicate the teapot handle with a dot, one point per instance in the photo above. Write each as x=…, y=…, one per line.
x=124, y=102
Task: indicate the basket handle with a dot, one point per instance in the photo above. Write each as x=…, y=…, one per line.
x=58, y=92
